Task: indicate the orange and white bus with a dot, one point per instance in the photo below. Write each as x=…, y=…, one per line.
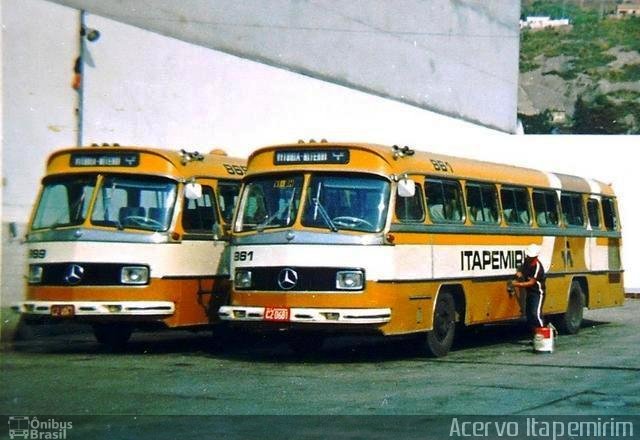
x=126, y=237
x=333, y=237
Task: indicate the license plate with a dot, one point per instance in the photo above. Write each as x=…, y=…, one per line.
x=63, y=310
x=276, y=314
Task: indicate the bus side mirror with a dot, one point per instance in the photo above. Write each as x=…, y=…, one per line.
x=193, y=191
x=406, y=187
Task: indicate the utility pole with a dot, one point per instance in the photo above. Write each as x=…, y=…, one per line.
x=90, y=35
x=79, y=68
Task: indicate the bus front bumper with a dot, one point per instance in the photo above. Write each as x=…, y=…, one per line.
x=305, y=315
x=94, y=308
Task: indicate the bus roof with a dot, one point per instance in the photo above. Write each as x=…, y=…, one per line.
x=145, y=160
x=388, y=160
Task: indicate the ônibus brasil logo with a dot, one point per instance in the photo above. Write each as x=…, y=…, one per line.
x=27, y=427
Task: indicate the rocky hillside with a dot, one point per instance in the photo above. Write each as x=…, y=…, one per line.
x=582, y=78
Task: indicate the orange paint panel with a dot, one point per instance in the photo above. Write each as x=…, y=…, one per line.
x=196, y=300
x=380, y=159
x=153, y=161
x=489, y=240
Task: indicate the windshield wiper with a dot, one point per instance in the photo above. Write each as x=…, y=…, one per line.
x=74, y=214
x=268, y=221
x=323, y=214
x=278, y=213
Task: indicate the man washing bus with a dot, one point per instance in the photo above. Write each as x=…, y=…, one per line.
x=531, y=277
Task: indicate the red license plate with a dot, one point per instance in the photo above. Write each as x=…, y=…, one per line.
x=276, y=314
x=63, y=310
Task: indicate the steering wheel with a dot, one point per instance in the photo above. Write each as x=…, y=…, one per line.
x=143, y=221
x=348, y=220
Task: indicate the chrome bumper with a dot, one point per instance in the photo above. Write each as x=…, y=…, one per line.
x=311, y=315
x=98, y=308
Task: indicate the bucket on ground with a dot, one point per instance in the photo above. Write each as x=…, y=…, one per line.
x=543, y=339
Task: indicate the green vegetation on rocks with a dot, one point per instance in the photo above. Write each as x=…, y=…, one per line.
x=596, y=62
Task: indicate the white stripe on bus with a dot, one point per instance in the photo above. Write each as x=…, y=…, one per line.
x=399, y=262
x=189, y=258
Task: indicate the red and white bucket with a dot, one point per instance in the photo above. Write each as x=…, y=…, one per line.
x=543, y=339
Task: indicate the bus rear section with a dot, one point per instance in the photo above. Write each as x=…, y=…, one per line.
x=125, y=237
x=350, y=238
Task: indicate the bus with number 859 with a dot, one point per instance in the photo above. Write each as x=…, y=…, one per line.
x=130, y=237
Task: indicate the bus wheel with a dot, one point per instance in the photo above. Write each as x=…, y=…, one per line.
x=439, y=339
x=570, y=321
x=112, y=336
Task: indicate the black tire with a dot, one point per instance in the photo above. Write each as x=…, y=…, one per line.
x=113, y=336
x=570, y=322
x=439, y=340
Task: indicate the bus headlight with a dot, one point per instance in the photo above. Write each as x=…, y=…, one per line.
x=242, y=279
x=35, y=274
x=349, y=280
x=134, y=275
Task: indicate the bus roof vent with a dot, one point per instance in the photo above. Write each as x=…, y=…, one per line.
x=218, y=152
x=105, y=144
x=313, y=141
x=402, y=152
x=188, y=156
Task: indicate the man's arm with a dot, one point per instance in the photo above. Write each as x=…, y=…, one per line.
x=530, y=282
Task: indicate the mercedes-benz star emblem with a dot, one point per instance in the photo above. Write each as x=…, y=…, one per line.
x=287, y=279
x=74, y=274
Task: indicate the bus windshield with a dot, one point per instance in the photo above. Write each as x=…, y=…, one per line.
x=270, y=202
x=135, y=202
x=334, y=202
x=64, y=201
x=353, y=202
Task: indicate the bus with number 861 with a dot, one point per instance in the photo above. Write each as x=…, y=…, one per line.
x=343, y=238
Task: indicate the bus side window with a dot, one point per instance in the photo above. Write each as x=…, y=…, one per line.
x=228, y=192
x=545, y=205
x=572, y=211
x=444, y=201
x=609, y=212
x=482, y=203
x=410, y=209
x=515, y=205
x=198, y=215
x=593, y=211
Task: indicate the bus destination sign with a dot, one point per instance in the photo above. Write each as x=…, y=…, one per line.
x=324, y=156
x=105, y=160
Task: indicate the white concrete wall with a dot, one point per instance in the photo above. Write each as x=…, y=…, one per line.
x=149, y=89
x=38, y=49
x=458, y=58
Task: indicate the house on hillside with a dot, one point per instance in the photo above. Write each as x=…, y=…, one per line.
x=628, y=9
x=536, y=22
